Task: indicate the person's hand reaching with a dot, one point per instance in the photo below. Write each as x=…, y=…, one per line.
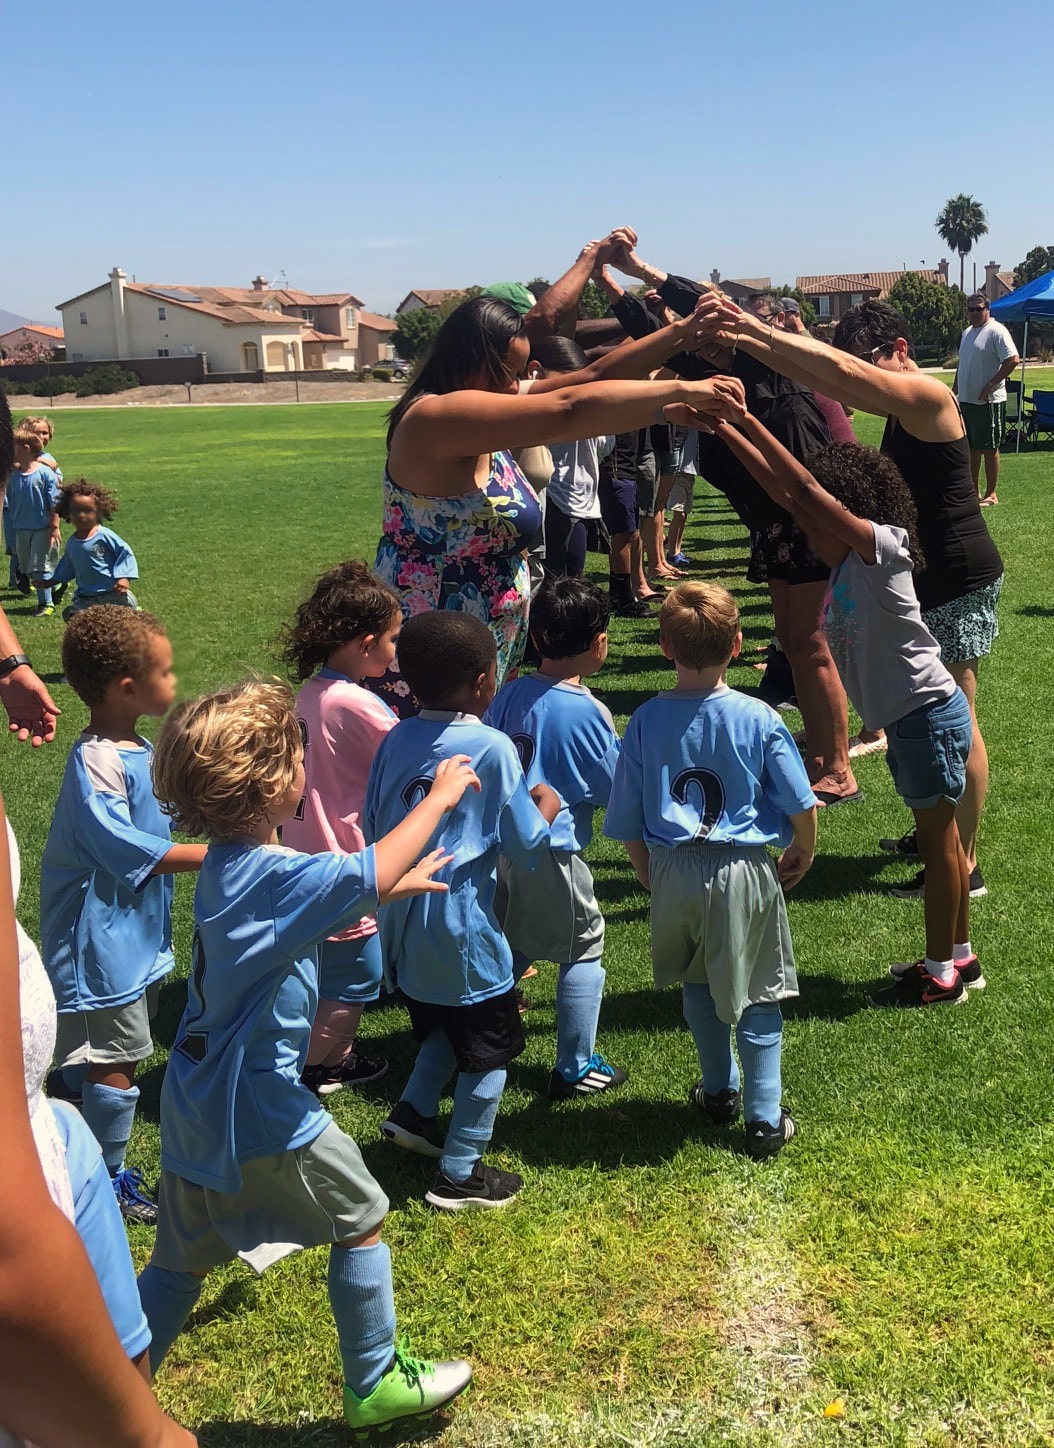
x=30, y=708
x=419, y=881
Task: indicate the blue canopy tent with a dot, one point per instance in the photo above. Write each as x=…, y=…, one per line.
x=1034, y=299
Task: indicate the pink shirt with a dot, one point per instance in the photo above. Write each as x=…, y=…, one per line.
x=343, y=725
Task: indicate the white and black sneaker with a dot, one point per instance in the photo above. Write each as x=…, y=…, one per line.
x=915, y=889
x=722, y=1108
x=354, y=1070
x=599, y=1075
x=969, y=971
x=764, y=1141
x=488, y=1186
x=412, y=1131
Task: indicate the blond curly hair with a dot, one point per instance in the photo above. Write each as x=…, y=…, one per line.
x=222, y=761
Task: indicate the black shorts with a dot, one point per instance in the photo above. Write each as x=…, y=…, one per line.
x=483, y=1036
x=780, y=552
x=618, y=505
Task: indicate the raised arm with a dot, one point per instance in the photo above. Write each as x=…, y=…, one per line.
x=467, y=424
x=556, y=312
x=637, y=358
x=793, y=487
x=923, y=404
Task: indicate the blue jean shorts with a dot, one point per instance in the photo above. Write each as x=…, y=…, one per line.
x=350, y=970
x=927, y=752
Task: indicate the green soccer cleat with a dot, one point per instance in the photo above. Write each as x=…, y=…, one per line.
x=409, y=1389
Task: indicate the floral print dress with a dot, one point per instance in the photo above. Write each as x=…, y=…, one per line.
x=466, y=552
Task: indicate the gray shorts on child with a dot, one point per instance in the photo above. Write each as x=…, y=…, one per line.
x=551, y=912
x=718, y=918
x=32, y=546
x=110, y=1035
x=311, y=1197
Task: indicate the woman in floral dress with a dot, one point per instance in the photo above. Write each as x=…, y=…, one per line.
x=458, y=512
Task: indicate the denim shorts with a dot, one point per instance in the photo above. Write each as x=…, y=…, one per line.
x=927, y=752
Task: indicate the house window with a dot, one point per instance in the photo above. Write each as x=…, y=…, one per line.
x=84, y=319
x=188, y=349
x=823, y=306
x=162, y=351
x=855, y=299
x=351, y=319
x=162, y=315
x=308, y=314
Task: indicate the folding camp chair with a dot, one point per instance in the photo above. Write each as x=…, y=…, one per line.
x=1039, y=421
x=1014, y=392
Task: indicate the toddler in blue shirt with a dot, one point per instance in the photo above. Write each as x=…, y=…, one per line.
x=707, y=781
x=106, y=883
x=452, y=962
x=31, y=501
x=567, y=739
x=101, y=562
x=252, y=1165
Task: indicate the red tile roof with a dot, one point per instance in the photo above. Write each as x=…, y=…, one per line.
x=431, y=296
x=311, y=334
x=55, y=333
x=874, y=283
x=376, y=323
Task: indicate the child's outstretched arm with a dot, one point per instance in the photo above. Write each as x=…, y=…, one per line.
x=797, y=858
x=790, y=484
x=180, y=859
x=640, y=859
x=396, y=854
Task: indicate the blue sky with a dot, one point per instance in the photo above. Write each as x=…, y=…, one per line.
x=377, y=147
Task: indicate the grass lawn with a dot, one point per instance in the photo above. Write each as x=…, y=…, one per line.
x=651, y=1286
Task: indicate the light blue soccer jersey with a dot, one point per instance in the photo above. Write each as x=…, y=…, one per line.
x=105, y=918
x=31, y=499
x=709, y=765
x=48, y=459
x=565, y=738
x=448, y=949
x=232, y=1091
x=96, y=562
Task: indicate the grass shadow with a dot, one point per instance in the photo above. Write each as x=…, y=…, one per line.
x=1035, y=610
x=326, y=1433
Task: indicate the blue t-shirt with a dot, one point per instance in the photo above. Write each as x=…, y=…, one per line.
x=232, y=1091
x=448, y=949
x=105, y=919
x=709, y=765
x=96, y=562
x=565, y=738
x=48, y=459
x=31, y=499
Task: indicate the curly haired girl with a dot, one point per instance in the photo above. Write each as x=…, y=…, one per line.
x=344, y=633
x=101, y=562
x=859, y=517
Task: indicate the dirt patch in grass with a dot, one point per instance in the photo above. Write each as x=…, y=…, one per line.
x=219, y=393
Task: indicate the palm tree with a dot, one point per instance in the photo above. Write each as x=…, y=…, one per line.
x=959, y=225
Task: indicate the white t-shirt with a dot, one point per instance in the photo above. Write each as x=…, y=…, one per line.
x=982, y=352
x=576, y=475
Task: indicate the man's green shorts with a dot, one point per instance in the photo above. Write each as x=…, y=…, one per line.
x=985, y=424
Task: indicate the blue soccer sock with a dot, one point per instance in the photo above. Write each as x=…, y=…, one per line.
x=433, y=1068
x=713, y=1040
x=109, y=1113
x=74, y=1077
x=579, y=991
x=363, y=1303
x=168, y=1299
x=759, y=1036
x=477, y=1097
x=43, y=597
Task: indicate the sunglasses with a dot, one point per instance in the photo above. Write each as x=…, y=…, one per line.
x=977, y=309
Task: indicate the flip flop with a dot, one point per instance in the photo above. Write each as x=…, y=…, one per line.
x=828, y=799
x=860, y=748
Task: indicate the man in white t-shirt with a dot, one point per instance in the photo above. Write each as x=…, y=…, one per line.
x=987, y=356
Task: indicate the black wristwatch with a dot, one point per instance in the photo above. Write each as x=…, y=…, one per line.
x=11, y=663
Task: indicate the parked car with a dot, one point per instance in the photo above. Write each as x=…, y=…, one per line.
x=393, y=367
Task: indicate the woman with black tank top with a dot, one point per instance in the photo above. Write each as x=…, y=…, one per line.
x=872, y=367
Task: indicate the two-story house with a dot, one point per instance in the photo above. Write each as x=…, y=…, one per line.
x=833, y=295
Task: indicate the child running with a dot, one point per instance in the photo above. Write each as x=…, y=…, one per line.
x=98, y=559
x=252, y=1166
x=105, y=883
x=344, y=633
x=860, y=518
x=32, y=504
x=709, y=779
x=453, y=963
x=565, y=738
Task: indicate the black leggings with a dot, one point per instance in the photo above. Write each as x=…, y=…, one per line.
x=565, y=543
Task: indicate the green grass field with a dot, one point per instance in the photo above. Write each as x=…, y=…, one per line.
x=651, y=1286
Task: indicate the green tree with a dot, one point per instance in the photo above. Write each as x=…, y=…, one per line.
x=961, y=222
x=594, y=303
x=936, y=313
x=1039, y=260
x=417, y=329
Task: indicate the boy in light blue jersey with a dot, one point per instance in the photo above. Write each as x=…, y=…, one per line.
x=707, y=781
x=451, y=960
x=252, y=1165
x=99, y=560
x=105, y=883
x=31, y=502
x=567, y=739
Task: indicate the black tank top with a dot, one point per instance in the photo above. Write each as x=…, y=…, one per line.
x=960, y=553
